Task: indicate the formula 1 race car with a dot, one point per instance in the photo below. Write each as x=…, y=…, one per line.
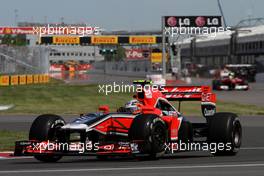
x=150, y=128
x=230, y=83
x=244, y=71
x=234, y=77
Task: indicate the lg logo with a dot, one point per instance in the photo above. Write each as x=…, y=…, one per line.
x=193, y=21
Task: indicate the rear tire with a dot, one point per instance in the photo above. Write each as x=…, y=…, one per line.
x=44, y=128
x=246, y=83
x=151, y=131
x=225, y=128
x=216, y=84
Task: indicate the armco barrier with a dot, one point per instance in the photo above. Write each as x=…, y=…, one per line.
x=6, y=80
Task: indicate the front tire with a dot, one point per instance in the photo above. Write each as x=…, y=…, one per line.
x=44, y=128
x=151, y=131
x=225, y=129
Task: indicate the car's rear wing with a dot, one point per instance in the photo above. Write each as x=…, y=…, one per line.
x=188, y=93
x=192, y=93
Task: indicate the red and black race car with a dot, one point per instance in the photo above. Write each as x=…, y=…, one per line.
x=234, y=77
x=230, y=83
x=149, y=126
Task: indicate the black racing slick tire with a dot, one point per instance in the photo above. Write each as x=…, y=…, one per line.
x=216, y=84
x=151, y=133
x=225, y=131
x=44, y=128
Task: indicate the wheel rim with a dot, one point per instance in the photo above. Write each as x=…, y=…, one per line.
x=159, y=136
x=54, y=133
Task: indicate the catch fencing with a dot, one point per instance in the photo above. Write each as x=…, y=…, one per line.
x=138, y=68
x=17, y=60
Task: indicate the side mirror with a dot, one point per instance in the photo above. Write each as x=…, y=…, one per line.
x=104, y=108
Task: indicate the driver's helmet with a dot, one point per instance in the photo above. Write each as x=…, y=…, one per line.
x=231, y=75
x=131, y=106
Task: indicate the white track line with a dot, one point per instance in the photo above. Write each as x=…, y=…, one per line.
x=134, y=168
x=7, y=152
x=17, y=157
x=252, y=148
x=6, y=107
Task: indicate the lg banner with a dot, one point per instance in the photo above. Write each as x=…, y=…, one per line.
x=193, y=21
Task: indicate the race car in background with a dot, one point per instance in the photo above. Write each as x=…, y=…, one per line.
x=243, y=71
x=232, y=77
x=146, y=131
x=69, y=66
x=230, y=83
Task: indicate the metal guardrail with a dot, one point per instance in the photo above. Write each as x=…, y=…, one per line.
x=9, y=58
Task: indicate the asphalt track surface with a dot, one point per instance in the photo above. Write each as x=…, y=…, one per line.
x=249, y=161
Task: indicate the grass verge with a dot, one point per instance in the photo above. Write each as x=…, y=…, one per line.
x=8, y=138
